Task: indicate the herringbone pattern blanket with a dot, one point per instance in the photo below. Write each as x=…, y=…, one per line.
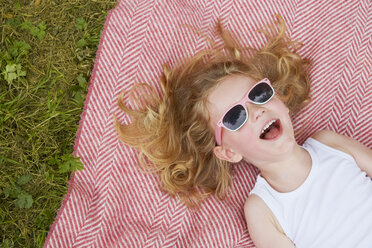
x=111, y=204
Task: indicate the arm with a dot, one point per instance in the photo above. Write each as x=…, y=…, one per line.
x=262, y=225
x=361, y=154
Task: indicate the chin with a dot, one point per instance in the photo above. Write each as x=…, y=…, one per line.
x=287, y=144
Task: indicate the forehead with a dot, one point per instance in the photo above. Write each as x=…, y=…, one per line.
x=230, y=90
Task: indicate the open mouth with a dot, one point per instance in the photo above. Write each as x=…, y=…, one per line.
x=272, y=130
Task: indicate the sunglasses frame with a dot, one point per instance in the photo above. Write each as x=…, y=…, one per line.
x=218, y=132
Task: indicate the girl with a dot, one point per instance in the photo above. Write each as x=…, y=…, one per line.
x=229, y=104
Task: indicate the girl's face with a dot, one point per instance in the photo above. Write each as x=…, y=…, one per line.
x=248, y=143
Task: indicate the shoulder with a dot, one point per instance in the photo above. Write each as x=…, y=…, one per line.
x=257, y=217
x=325, y=136
x=263, y=227
x=361, y=153
x=333, y=139
x=253, y=204
x=256, y=211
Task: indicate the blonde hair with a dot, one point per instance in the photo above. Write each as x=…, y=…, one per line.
x=172, y=132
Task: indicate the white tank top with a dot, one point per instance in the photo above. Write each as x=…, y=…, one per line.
x=332, y=208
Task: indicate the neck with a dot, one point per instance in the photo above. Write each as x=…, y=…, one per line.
x=289, y=172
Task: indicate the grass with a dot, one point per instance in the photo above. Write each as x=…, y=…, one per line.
x=47, y=50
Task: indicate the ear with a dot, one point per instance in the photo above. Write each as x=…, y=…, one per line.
x=227, y=154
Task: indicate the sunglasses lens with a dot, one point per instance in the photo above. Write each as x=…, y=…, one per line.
x=261, y=93
x=235, y=117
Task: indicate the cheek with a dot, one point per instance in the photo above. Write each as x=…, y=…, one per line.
x=251, y=150
x=244, y=142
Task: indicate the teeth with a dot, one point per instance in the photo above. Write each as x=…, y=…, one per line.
x=267, y=126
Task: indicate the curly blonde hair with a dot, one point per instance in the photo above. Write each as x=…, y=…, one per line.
x=172, y=133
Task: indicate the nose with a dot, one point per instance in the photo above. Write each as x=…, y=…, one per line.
x=255, y=111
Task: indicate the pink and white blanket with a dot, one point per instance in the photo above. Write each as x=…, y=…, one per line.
x=111, y=204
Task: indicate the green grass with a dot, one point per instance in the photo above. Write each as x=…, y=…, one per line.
x=47, y=50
